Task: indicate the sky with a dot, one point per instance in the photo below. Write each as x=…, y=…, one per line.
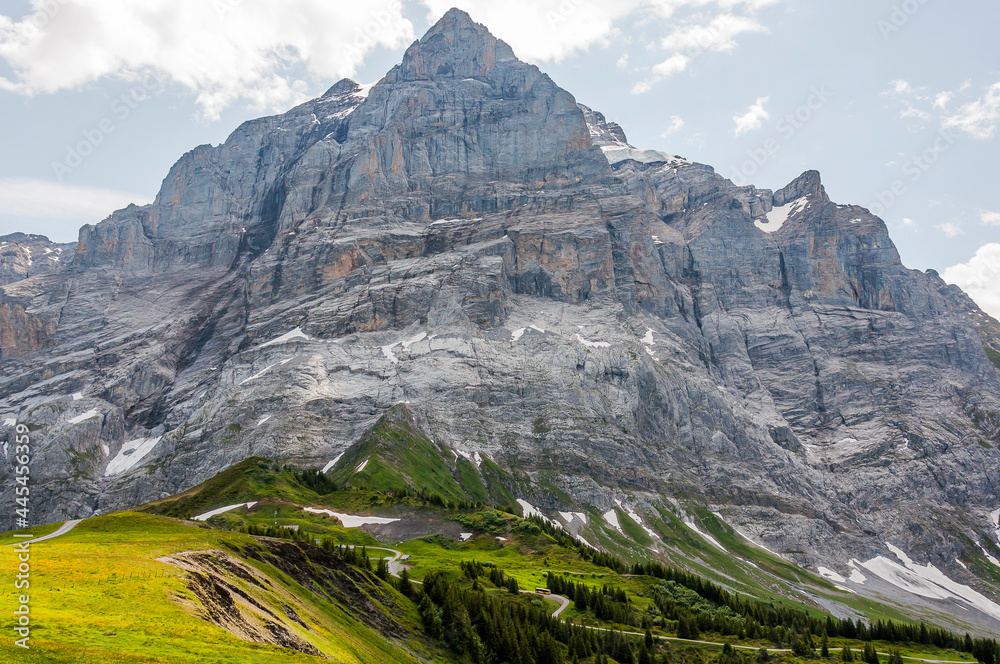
x=895, y=102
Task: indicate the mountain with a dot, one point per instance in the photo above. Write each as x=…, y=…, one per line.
x=616, y=331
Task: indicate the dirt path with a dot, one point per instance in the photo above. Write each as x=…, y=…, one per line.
x=59, y=532
x=395, y=568
x=563, y=602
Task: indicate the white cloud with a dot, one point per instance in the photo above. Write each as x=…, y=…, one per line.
x=642, y=86
x=717, y=35
x=675, y=64
x=40, y=199
x=754, y=118
x=978, y=118
x=908, y=222
x=622, y=61
x=543, y=30
x=914, y=113
x=980, y=278
x=263, y=52
x=689, y=41
x=222, y=50
x=951, y=230
x=57, y=210
x=900, y=87
x=676, y=124
x=990, y=218
x=546, y=30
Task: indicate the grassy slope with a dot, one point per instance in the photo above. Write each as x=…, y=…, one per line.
x=99, y=595
x=396, y=454
x=529, y=557
x=85, y=611
x=395, y=444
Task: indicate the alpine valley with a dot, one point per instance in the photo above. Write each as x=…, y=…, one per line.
x=458, y=315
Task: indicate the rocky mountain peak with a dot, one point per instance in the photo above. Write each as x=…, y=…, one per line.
x=807, y=184
x=343, y=86
x=455, y=47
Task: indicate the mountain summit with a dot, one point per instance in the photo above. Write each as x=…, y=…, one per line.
x=456, y=47
x=614, y=328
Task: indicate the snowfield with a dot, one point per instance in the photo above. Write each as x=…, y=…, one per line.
x=89, y=415
x=928, y=581
x=593, y=344
x=222, y=510
x=777, y=217
x=708, y=538
x=259, y=374
x=350, y=521
x=611, y=517
x=297, y=333
x=130, y=455
x=831, y=575
x=333, y=462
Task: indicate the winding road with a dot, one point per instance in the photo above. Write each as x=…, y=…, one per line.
x=563, y=602
x=395, y=568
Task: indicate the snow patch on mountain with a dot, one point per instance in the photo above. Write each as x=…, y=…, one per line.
x=611, y=517
x=708, y=538
x=297, y=333
x=89, y=415
x=618, y=153
x=593, y=344
x=222, y=510
x=529, y=510
x=472, y=457
x=351, y=521
x=989, y=556
x=333, y=462
x=259, y=373
x=927, y=581
x=831, y=575
x=856, y=575
x=777, y=217
x=418, y=338
x=130, y=455
x=568, y=517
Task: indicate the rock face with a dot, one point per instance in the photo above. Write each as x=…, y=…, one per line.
x=23, y=256
x=464, y=237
